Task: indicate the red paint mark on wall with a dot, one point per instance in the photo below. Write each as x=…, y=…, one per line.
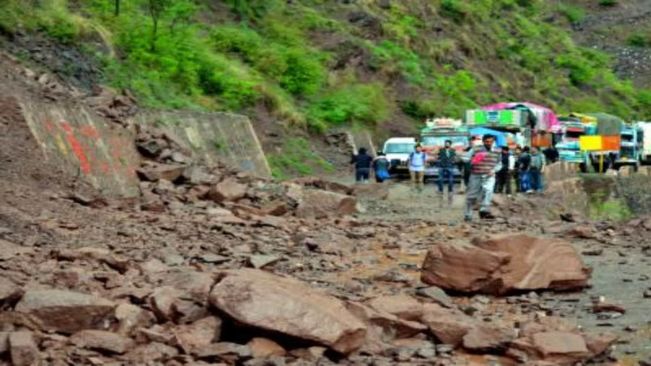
x=76, y=147
x=89, y=131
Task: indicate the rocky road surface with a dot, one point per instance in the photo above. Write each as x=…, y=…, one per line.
x=211, y=266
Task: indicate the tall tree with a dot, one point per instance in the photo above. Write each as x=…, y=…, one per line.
x=156, y=9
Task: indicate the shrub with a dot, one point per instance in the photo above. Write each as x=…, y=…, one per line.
x=364, y=103
x=574, y=14
x=454, y=9
x=608, y=2
x=639, y=40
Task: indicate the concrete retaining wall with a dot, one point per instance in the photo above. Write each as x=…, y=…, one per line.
x=85, y=145
x=212, y=136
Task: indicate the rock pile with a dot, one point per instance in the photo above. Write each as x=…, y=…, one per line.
x=172, y=179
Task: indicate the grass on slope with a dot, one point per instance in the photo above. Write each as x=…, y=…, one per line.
x=319, y=64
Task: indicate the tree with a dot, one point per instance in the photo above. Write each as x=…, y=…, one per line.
x=156, y=9
x=117, y=8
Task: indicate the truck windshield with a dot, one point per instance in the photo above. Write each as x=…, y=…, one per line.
x=404, y=148
x=573, y=134
x=627, y=137
x=440, y=140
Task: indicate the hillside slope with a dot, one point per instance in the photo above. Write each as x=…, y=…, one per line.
x=313, y=65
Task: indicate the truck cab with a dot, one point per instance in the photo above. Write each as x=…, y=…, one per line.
x=397, y=150
x=629, y=152
x=568, y=147
x=433, y=137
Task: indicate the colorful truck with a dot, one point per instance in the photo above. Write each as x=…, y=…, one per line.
x=433, y=137
x=513, y=121
x=572, y=128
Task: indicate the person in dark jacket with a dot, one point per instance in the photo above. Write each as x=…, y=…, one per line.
x=446, y=160
x=505, y=174
x=524, y=162
x=381, y=167
x=362, y=163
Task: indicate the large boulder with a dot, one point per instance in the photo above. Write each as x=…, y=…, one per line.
x=284, y=305
x=66, y=311
x=505, y=263
x=316, y=203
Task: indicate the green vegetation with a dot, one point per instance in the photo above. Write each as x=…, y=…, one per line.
x=312, y=65
x=297, y=158
x=640, y=39
x=573, y=13
x=610, y=209
x=608, y=2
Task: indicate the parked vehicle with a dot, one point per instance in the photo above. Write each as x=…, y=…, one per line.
x=397, y=150
x=433, y=137
x=513, y=121
x=572, y=128
x=629, y=151
x=644, y=136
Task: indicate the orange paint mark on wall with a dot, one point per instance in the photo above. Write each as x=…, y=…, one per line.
x=77, y=148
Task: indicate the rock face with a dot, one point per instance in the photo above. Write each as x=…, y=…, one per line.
x=66, y=311
x=24, y=351
x=255, y=298
x=505, y=263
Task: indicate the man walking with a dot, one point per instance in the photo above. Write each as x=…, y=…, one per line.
x=381, y=167
x=504, y=176
x=416, y=163
x=362, y=163
x=484, y=163
x=446, y=160
x=524, y=162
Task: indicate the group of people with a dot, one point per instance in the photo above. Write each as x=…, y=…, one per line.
x=485, y=171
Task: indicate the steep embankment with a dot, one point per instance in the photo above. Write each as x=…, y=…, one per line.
x=315, y=65
x=620, y=28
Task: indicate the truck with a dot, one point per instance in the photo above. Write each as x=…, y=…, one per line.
x=572, y=128
x=644, y=136
x=397, y=150
x=517, y=122
x=629, y=151
x=433, y=137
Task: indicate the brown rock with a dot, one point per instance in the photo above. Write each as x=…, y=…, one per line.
x=227, y=190
x=9, y=250
x=462, y=267
x=9, y=291
x=390, y=323
x=154, y=173
x=131, y=317
x=315, y=203
x=403, y=306
x=4, y=342
x=551, y=344
x=150, y=352
x=66, y=311
x=102, y=340
x=195, y=284
x=486, y=338
x=287, y=306
x=448, y=325
x=604, y=307
x=198, y=334
x=162, y=301
x=505, y=263
x=264, y=348
x=599, y=343
x=581, y=232
x=23, y=349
